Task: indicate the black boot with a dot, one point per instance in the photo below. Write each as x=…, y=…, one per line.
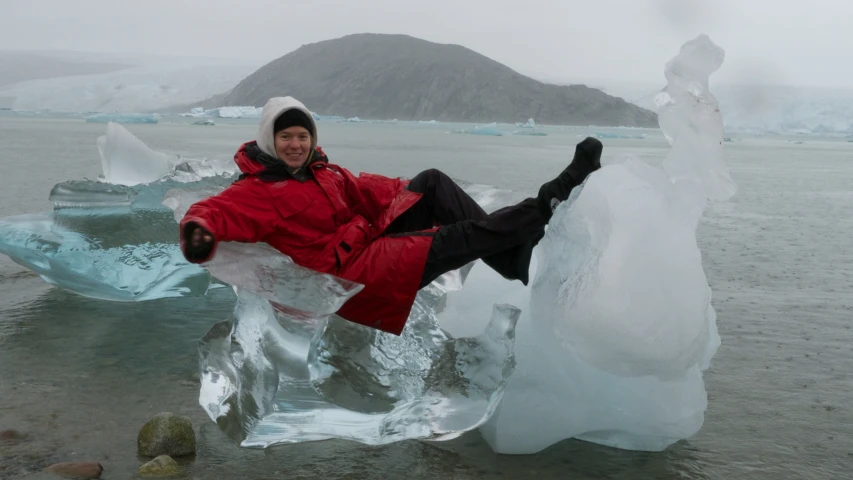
x=587, y=159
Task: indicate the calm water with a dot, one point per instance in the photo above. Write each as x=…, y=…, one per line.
x=79, y=377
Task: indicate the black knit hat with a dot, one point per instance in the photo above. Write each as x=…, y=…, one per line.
x=293, y=118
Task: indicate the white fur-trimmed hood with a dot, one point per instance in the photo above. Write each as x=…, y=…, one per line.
x=270, y=113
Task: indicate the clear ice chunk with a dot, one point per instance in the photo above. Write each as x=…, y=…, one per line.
x=270, y=376
x=126, y=160
x=80, y=254
x=690, y=118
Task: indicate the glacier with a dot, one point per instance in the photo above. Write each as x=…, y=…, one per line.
x=607, y=344
x=149, y=83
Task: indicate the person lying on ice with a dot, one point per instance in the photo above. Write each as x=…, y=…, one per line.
x=391, y=235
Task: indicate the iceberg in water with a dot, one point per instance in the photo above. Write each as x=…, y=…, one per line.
x=123, y=118
x=617, y=325
x=225, y=112
x=322, y=118
x=490, y=129
x=239, y=112
x=113, y=239
x=612, y=135
x=607, y=344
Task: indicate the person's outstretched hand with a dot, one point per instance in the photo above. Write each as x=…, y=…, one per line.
x=200, y=242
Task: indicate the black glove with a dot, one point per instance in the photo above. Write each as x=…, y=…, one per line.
x=198, y=242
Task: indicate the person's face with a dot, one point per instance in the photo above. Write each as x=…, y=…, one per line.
x=292, y=146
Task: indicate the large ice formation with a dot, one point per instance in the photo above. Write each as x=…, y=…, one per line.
x=113, y=239
x=607, y=344
x=617, y=326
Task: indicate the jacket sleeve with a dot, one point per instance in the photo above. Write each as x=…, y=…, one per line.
x=240, y=213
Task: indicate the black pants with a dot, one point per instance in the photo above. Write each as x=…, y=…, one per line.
x=504, y=239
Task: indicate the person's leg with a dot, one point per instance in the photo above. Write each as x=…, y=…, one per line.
x=446, y=203
x=499, y=239
x=507, y=237
x=442, y=202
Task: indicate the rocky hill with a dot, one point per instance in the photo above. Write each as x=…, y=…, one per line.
x=376, y=76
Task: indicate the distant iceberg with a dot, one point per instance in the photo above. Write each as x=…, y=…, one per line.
x=327, y=118
x=225, y=112
x=529, y=129
x=124, y=118
x=624, y=136
x=490, y=129
x=239, y=112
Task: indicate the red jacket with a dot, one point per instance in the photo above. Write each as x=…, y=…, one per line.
x=332, y=224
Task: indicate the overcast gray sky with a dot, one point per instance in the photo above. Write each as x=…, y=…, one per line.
x=766, y=41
